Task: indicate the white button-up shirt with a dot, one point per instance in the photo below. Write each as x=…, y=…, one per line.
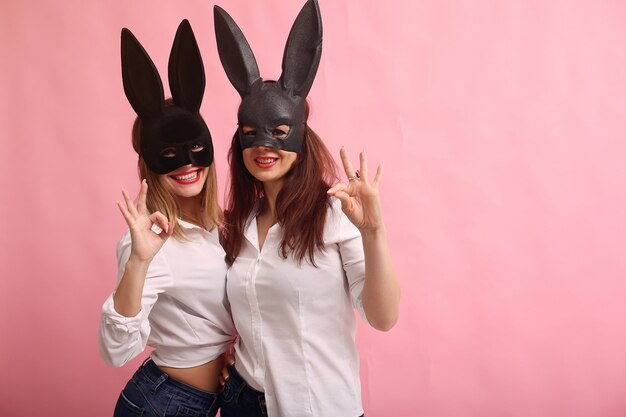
x=184, y=313
x=296, y=323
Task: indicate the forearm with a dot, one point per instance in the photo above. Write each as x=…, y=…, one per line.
x=381, y=290
x=127, y=298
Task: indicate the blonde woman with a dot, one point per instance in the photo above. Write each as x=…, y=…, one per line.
x=171, y=281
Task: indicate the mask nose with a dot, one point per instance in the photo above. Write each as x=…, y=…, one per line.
x=264, y=147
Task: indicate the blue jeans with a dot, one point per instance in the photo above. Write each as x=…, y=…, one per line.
x=241, y=400
x=153, y=393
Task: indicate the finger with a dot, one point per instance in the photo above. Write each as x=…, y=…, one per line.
x=230, y=357
x=346, y=200
x=363, y=169
x=337, y=187
x=167, y=228
x=141, y=200
x=347, y=165
x=160, y=219
x=224, y=376
x=127, y=216
x=379, y=175
x=129, y=203
x=165, y=234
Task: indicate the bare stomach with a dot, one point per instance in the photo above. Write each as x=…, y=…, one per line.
x=204, y=377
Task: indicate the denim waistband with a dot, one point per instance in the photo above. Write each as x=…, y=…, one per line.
x=238, y=389
x=158, y=378
x=237, y=380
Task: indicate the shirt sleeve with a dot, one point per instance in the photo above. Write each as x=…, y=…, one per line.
x=353, y=258
x=122, y=338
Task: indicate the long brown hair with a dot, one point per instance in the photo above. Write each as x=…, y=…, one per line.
x=160, y=199
x=301, y=204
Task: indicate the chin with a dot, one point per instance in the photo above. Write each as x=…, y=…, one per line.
x=188, y=193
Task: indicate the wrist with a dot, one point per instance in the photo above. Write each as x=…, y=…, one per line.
x=137, y=262
x=372, y=233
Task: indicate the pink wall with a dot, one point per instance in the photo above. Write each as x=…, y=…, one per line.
x=502, y=127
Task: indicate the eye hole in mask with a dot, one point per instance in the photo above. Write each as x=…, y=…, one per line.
x=249, y=132
x=281, y=132
x=171, y=152
x=168, y=152
x=198, y=147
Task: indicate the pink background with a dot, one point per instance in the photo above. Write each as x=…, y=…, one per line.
x=501, y=125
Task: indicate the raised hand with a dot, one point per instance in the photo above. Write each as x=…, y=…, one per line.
x=145, y=242
x=359, y=198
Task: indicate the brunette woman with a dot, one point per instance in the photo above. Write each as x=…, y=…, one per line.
x=304, y=253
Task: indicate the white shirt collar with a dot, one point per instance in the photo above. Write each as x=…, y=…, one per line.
x=187, y=225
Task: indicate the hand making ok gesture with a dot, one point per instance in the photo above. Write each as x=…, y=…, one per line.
x=145, y=241
x=359, y=198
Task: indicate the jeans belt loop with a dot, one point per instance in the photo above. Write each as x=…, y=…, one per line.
x=158, y=382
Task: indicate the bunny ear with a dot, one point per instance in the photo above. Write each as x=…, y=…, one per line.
x=235, y=52
x=303, y=50
x=142, y=83
x=185, y=70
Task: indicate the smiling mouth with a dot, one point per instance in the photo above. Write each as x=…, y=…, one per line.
x=265, y=162
x=188, y=177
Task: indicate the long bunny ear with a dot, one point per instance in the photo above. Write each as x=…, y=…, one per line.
x=142, y=83
x=235, y=52
x=303, y=50
x=185, y=69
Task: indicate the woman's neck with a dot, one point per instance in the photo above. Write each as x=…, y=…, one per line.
x=271, y=190
x=190, y=208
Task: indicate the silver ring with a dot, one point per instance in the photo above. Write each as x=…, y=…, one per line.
x=356, y=176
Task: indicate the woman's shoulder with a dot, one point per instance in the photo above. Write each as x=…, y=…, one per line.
x=334, y=211
x=124, y=241
x=338, y=226
x=335, y=204
x=334, y=217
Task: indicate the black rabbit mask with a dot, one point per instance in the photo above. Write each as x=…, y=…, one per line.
x=175, y=135
x=266, y=105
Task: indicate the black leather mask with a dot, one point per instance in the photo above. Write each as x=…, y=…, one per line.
x=171, y=135
x=266, y=105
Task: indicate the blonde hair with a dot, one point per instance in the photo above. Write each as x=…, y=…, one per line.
x=160, y=199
